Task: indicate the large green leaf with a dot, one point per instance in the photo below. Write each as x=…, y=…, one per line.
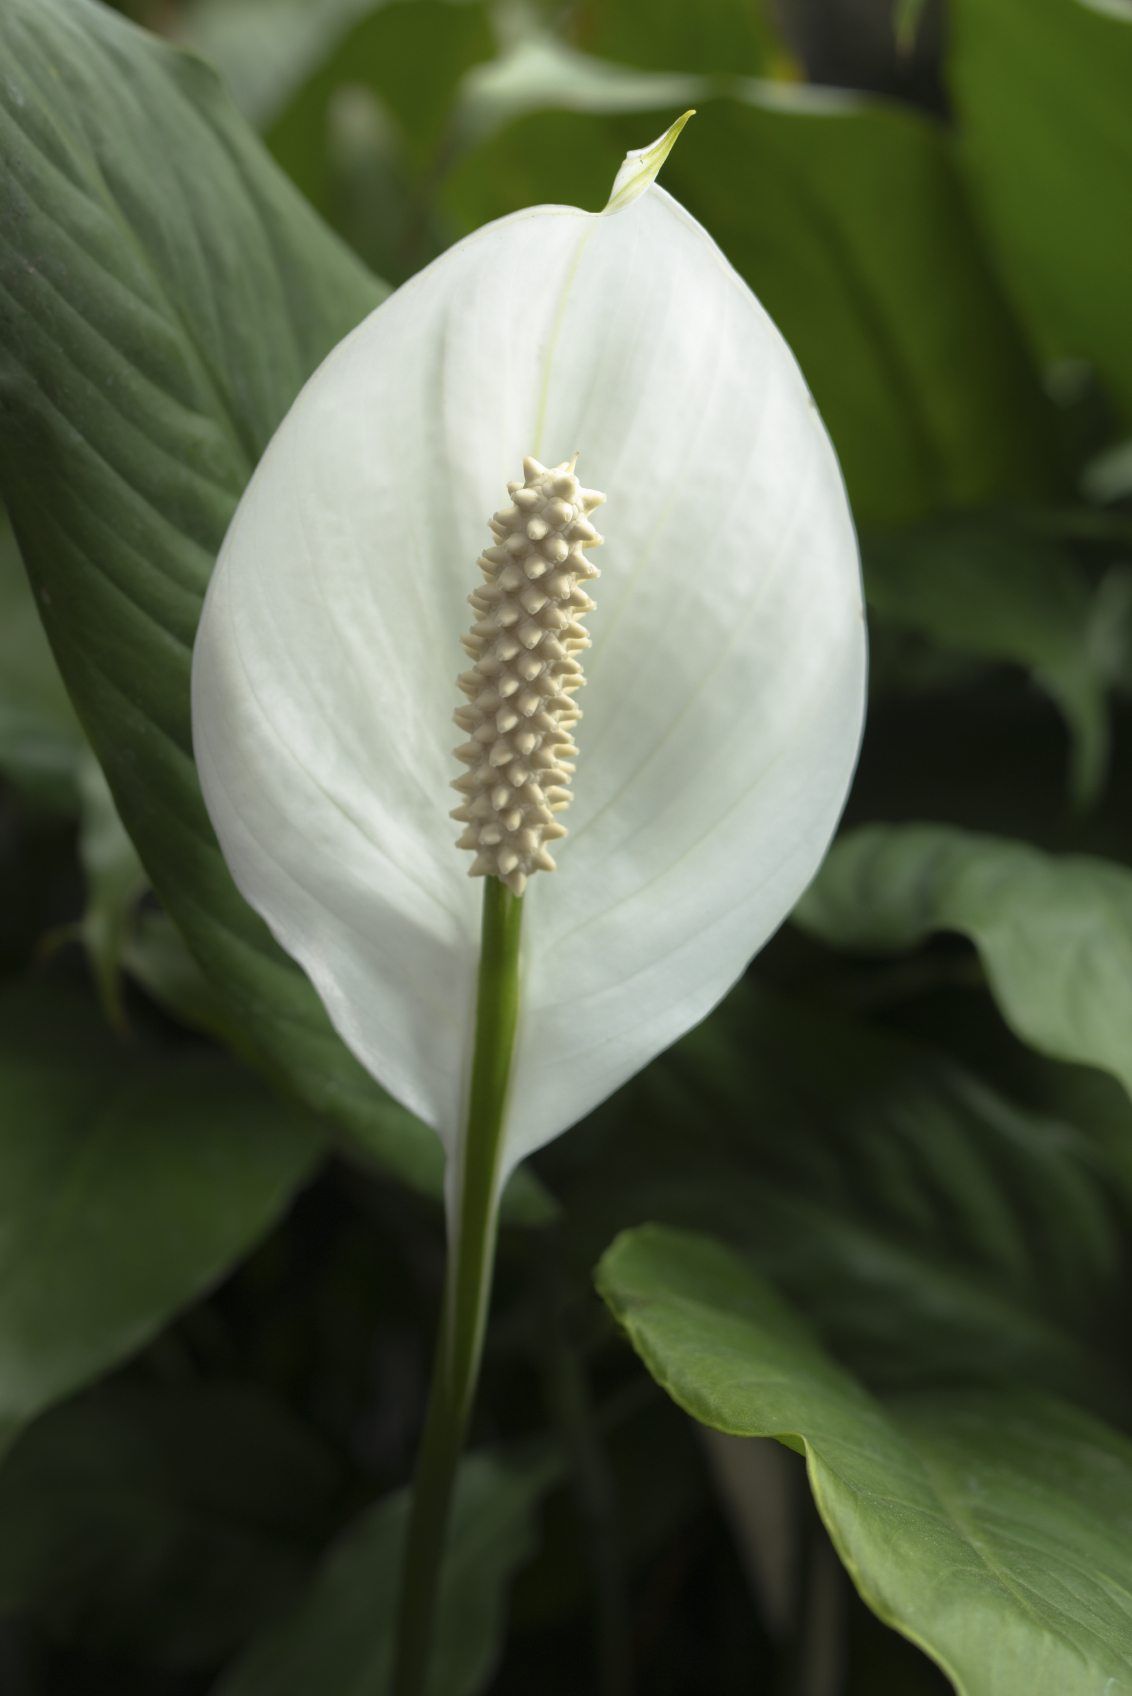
x=115, y=883
x=41, y=743
x=166, y=1523
x=934, y=1231
x=364, y=136
x=267, y=49
x=991, y=1528
x=163, y=295
x=339, y=1641
x=382, y=53
x=539, y=73
x=45, y=756
x=847, y=218
x=155, y=957
x=996, y=590
x=1041, y=89
x=858, y=240
x=129, y=1182
x=734, y=37
x=1054, y=931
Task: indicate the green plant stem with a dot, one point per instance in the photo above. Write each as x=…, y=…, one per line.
x=473, y=1221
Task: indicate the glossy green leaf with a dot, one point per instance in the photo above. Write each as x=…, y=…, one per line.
x=1054, y=931
x=154, y=326
x=907, y=18
x=734, y=37
x=858, y=240
x=45, y=755
x=538, y=72
x=364, y=137
x=115, y=883
x=383, y=53
x=1041, y=89
x=339, y=1640
x=129, y=1182
x=41, y=743
x=267, y=49
x=933, y=1230
x=847, y=218
x=999, y=592
x=990, y=1528
x=164, y=1523
x=155, y=957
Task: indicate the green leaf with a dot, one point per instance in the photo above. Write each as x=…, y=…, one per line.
x=45, y=755
x=155, y=957
x=539, y=73
x=266, y=49
x=115, y=883
x=129, y=1182
x=163, y=1524
x=1054, y=932
x=41, y=743
x=860, y=244
x=364, y=136
x=990, y=1528
x=382, y=54
x=339, y=1641
x=1041, y=91
x=856, y=236
x=932, y=1230
x=163, y=295
x=998, y=591
x=733, y=37
x=906, y=20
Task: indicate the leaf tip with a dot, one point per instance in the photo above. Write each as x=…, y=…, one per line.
x=640, y=167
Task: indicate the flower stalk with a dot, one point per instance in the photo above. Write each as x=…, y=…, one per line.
x=468, y=1284
x=519, y=718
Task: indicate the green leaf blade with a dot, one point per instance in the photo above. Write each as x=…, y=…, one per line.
x=990, y=1529
x=129, y=1183
x=932, y=1230
x=154, y=327
x=1054, y=932
x=1041, y=91
x=340, y=1639
x=184, y=1517
x=997, y=591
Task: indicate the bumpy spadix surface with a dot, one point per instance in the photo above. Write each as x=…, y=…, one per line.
x=524, y=647
x=724, y=685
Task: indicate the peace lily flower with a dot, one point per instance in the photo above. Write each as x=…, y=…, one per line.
x=724, y=685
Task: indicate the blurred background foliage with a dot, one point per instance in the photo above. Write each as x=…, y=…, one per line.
x=879, y=1204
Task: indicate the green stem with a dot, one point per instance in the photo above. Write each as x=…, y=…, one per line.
x=468, y=1286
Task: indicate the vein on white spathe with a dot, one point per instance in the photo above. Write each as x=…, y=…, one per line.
x=725, y=682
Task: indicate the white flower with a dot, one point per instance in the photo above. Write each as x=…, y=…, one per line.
x=725, y=680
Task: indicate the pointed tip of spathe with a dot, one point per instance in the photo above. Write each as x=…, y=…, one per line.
x=640, y=166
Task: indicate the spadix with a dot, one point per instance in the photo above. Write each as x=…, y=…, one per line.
x=524, y=646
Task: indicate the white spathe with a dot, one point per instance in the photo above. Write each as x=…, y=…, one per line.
x=725, y=684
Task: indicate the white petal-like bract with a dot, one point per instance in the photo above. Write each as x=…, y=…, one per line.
x=725, y=682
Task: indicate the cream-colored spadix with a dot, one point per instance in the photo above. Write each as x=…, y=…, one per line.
x=724, y=684
x=524, y=647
